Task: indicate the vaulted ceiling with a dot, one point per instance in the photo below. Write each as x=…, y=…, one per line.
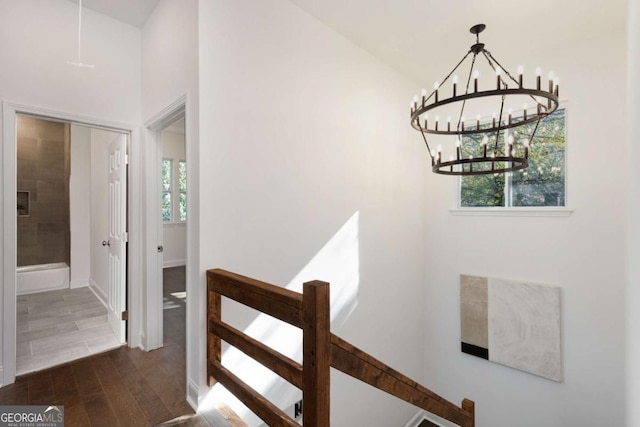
x=416, y=35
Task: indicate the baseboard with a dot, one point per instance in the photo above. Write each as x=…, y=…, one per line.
x=192, y=394
x=102, y=296
x=174, y=263
x=420, y=417
x=78, y=284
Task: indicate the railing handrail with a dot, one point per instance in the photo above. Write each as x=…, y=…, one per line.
x=321, y=350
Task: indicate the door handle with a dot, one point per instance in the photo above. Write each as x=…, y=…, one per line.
x=106, y=243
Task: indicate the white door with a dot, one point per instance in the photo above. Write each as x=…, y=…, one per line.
x=117, y=235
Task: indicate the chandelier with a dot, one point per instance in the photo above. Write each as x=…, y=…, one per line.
x=482, y=143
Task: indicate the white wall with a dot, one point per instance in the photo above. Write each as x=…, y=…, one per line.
x=303, y=133
x=100, y=140
x=584, y=254
x=170, y=66
x=633, y=213
x=174, y=238
x=80, y=205
x=37, y=38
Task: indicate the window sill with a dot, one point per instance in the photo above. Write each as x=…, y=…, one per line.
x=514, y=212
x=174, y=224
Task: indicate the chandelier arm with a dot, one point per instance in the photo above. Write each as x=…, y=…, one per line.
x=448, y=75
x=425, y=140
x=495, y=148
x=486, y=52
x=535, y=129
x=466, y=92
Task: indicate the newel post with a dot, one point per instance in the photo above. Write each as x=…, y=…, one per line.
x=316, y=354
x=214, y=344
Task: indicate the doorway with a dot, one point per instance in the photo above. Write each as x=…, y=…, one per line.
x=173, y=253
x=133, y=256
x=70, y=246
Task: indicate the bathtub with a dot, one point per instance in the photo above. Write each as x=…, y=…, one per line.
x=42, y=277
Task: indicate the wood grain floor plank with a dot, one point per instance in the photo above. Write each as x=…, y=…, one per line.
x=65, y=387
x=99, y=411
x=86, y=378
x=76, y=416
x=41, y=389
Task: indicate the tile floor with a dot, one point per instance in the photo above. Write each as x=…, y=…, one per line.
x=60, y=326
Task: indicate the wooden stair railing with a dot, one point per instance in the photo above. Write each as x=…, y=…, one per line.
x=321, y=350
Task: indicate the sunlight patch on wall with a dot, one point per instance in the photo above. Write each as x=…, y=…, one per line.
x=338, y=263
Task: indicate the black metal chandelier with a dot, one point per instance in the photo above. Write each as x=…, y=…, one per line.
x=497, y=142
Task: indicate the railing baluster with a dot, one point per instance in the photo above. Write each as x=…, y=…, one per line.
x=214, y=344
x=316, y=354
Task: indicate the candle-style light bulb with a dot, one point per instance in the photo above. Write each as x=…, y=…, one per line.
x=538, y=71
x=485, y=140
x=424, y=92
x=520, y=73
x=476, y=74
x=551, y=75
x=455, y=84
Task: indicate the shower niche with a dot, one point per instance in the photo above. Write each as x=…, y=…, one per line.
x=23, y=198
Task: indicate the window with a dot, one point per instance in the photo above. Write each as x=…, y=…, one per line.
x=170, y=211
x=541, y=184
x=167, y=185
x=182, y=188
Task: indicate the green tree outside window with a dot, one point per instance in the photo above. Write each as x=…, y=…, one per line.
x=541, y=184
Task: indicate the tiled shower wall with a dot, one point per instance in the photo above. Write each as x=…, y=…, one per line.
x=43, y=169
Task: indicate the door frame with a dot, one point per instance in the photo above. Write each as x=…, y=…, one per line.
x=154, y=227
x=9, y=235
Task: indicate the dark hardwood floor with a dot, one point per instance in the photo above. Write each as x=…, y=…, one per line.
x=124, y=387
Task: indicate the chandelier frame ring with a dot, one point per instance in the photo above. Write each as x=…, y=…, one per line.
x=555, y=103
x=447, y=168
